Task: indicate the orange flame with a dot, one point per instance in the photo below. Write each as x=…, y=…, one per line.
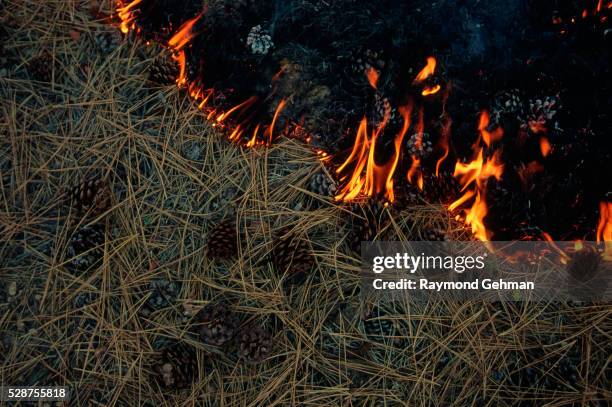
x=476, y=174
x=126, y=17
x=279, y=108
x=253, y=141
x=604, y=228
x=247, y=103
x=377, y=178
x=444, y=143
x=431, y=90
x=426, y=72
x=488, y=137
x=184, y=34
x=545, y=146
x=178, y=42
x=373, y=76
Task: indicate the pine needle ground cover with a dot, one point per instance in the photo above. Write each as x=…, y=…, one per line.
x=146, y=260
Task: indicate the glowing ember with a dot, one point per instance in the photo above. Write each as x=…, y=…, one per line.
x=545, y=146
x=428, y=71
x=373, y=76
x=473, y=177
x=431, y=90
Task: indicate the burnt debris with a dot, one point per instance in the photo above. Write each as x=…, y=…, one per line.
x=541, y=69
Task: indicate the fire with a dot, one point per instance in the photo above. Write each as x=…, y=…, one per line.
x=377, y=178
x=488, y=137
x=604, y=228
x=444, y=143
x=270, y=130
x=428, y=71
x=473, y=177
x=178, y=42
x=431, y=90
x=126, y=17
x=373, y=76
x=545, y=146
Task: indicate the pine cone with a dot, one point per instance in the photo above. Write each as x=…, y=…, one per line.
x=177, y=368
x=222, y=241
x=383, y=110
x=164, y=70
x=584, y=263
x=254, y=344
x=91, y=195
x=259, y=41
x=41, y=67
x=362, y=60
x=367, y=224
x=377, y=327
x=161, y=294
x=86, y=247
x=443, y=189
x=542, y=112
x=292, y=255
x=322, y=184
x=216, y=324
x=507, y=106
x=419, y=145
x=107, y=41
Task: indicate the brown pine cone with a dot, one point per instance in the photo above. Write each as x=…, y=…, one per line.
x=254, y=344
x=86, y=247
x=443, y=188
x=41, y=67
x=177, y=366
x=216, y=324
x=222, y=241
x=366, y=224
x=91, y=195
x=292, y=255
x=164, y=69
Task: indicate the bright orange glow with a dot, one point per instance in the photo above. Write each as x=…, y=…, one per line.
x=181, y=60
x=545, y=146
x=184, y=34
x=537, y=127
x=369, y=178
x=431, y=90
x=247, y=103
x=253, y=141
x=126, y=17
x=427, y=71
x=604, y=228
x=599, y=4
x=488, y=137
x=373, y=76
x=473, y=177
x=270, y=131
x=444, y=143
